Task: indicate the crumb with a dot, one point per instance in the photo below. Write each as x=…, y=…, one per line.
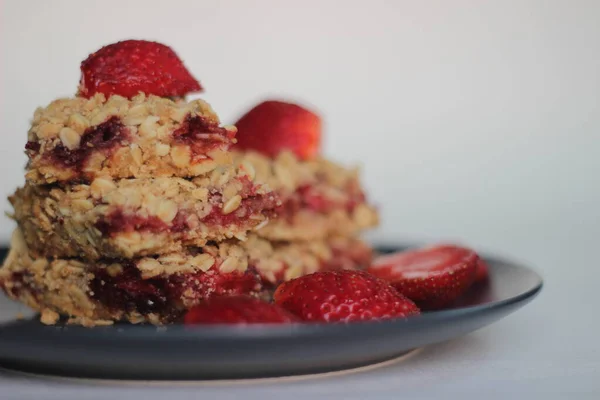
x=49, y=317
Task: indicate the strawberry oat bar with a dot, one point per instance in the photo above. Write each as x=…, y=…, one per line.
x=319, y=198
x=137, y=217
x=156, y=290
x=140, y=206
x=80, y=139
x=129, y=119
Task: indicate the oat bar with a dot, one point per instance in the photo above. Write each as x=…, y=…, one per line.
x=319, y=198
x=79, y=139
x=130, y=218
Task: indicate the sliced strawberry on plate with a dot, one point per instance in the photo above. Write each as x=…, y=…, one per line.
x=132, y=66
x=482, y=272
x=342, y=296
x=237, y=310
x=432, y=277
x=274, y=126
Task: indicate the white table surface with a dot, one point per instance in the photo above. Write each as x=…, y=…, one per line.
x=549, y=348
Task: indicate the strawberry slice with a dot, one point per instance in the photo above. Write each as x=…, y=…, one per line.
x=482, y=273
x=432, y=277
x=237, y=310
x=274, y=126
x=343, y=296
x=133, y=66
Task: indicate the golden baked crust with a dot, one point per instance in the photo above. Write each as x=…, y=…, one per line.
x=320, y=199
x=130, y=218
x=81, y=139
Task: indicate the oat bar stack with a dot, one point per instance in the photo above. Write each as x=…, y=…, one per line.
x=324, y=210
x=132, y=210
x=136, y=209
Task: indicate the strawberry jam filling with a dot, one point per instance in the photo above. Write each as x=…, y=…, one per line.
x=202, y=135
x=20, y=281
x=104, y=137
x=166, y=296
x=32, y=147
x=264, y=205
x=117, y=221
x=311, y=198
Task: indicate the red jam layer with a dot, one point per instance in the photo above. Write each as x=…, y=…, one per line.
x=19, y=282
x=104, y=137
x=264, y=205
x=117, y=221
x=202, y=135
x=165, y=295
x=310, y=198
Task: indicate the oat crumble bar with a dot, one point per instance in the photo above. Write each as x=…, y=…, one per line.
x=130, y=218
x=319, y=198
x=135, y=208
x=79, y=139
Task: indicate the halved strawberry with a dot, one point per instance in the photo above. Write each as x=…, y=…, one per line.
x=132, y=66
x=343, y=296
x=274, y=126
x=432, y=277
x=237, y=310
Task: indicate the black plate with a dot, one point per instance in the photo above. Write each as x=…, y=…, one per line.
x=224, y=352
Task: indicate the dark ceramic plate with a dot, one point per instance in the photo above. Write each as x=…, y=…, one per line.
x=223, y=352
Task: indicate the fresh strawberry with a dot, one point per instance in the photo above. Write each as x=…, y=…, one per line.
x=432, y=277
x=343, y=296
x=132, y=66
x=237, y=310
x=274, y=126
x=482, y=273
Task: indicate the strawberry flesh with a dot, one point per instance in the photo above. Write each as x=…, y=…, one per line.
x=343, y=296
x=432, y=277
x=274, y=126
x=132, y=66
x=482, y=273
x=237, y=310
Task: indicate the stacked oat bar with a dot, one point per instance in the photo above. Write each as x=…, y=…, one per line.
x=132, y=210
x=322, y=214
x=136, y=208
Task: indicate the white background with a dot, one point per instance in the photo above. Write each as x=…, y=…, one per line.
x=476, y=121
